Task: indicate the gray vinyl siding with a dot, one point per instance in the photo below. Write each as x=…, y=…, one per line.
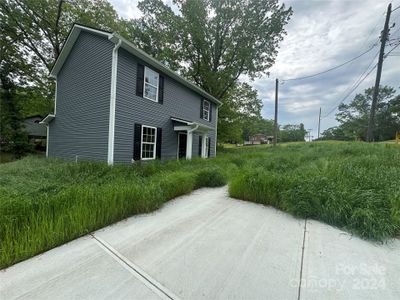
x=80, y=127
x=179, y=102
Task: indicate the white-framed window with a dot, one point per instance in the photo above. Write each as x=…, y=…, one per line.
x=149, y=142
x=206, y=110
x=150, y=89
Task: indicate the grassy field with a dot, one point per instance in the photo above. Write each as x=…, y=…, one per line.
x=45, y=203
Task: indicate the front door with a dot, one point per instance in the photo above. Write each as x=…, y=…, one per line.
x=182, y=138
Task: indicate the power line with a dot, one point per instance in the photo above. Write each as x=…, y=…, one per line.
x=355, y=86
x=392, y=50
x=334, y=68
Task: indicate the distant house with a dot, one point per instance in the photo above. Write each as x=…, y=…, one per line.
x=117, y=104
x=258, y=139
x=33, y=127
x=36, y=131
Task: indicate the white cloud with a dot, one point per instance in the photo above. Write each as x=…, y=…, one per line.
x=127, y=8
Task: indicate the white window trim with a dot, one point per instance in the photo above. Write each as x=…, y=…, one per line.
x=155, y=143
x=144, y=84
x=206, y=110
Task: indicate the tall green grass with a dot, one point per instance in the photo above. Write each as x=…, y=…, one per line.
x=45, y=203
x=353, y=186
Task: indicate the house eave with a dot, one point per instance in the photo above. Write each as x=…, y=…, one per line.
x=190, y=124
x=69, y=43
x=115, y=38
x=161, y=67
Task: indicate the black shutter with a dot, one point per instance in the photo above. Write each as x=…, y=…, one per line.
x=161, y=89
x=137, y=141
x=209, y=146
x=201, y=108
x=200, y=140
x=139, y=80
x=210, y=113
x=158, y=146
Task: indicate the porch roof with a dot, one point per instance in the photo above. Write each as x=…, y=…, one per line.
x=190, y=125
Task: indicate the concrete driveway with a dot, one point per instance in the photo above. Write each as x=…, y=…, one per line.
x=209, y=246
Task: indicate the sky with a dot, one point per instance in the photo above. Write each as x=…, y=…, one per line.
x=320, y=35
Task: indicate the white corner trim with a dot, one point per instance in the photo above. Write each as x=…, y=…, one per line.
x=113, y=94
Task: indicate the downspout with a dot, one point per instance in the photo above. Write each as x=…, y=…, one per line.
x=113, y=93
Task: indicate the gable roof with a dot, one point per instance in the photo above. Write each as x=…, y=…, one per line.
x=125, y=44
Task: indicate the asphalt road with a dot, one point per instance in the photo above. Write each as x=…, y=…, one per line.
x=208, y=246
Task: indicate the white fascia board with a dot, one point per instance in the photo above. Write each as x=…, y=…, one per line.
x=76, y=30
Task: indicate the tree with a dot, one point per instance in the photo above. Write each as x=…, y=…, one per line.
x=334, y=133
x=213, y=42
x=33, y=33
x=353, y=117
x=38, y=29
x=12, y=135
x=240, y=113
x=259, y=125
x=292, y=133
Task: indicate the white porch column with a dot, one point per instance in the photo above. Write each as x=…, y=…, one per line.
x=203, y=145
x=189, y=143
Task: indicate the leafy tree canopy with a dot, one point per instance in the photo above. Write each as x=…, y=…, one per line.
x=34, y=31
x=353, y=117
x=292, y=133
x=212, y=42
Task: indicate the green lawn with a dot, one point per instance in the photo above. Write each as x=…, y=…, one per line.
x=355, y=186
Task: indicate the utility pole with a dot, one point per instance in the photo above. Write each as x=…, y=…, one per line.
x=276, y=112
x=384, y=36
x=319, y=122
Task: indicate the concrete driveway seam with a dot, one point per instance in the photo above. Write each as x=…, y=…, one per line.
x=142, y=276
x=302, y=258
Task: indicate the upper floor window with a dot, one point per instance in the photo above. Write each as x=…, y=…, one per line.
x=206, y=110
x=151, y=79
x=149, y=142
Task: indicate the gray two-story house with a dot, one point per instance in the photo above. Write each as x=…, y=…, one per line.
x=117, y=104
